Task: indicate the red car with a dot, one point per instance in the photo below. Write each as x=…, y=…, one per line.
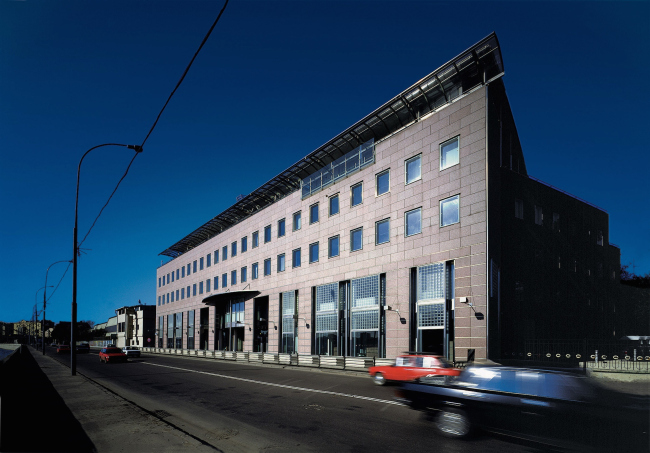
x=111, y=355
x=62, y=348
x=412, y=366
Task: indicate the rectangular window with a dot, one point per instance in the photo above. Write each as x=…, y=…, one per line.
x=256, y=239
x=281, y=228
x=383, y=182
x=297, y=221
x=182, y=293
x=224, y=280
x=556, y=221
x=224, y=253
x=267, y=234
x=244, y=277
x=207, y=285
x=177, y=294
x=200, y=287
x=216, y=282
x=449, y=211
x=233, y=249
x=295, y=258
x=159, y=300
x=216, y=256
x=254, y=271
x=313, y=213
x=194, y=266
x=188, y=291
x=281, y=263
x=313, y=252
x=159, y=284
x=201, y=263
x=413, y=222
x=172, y=276
x=449, y=153
x=194, y=289
x=189, y=269
x=519, y=209
x=356, y=239
x=599, y=239
x=333, y=247
x=244, y=244
x=334, y=205
x=413, y=169
x=267, y=266
x=382, y=231
x=539, y=215
x=172, y=296
x=167, y=297
x=356, y=195
x=183, y=272
x=177, y=273
x=233, y=277
x=208, y=260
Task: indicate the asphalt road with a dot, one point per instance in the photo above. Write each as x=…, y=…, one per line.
x=275, y=408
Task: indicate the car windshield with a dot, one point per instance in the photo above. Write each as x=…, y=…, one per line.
x=113, y=350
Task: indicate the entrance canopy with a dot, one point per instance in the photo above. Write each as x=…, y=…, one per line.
x=216, y=299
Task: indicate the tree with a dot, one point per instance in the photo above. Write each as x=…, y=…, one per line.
x=631, y=279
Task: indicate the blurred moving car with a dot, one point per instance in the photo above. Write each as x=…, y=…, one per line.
x=111, y=355
x=556, y=408
x=131, y=351
x=62, y=348
x=409, y=367
x=83, y=347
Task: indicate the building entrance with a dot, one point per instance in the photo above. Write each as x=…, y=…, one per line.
x=204, y=328
x=229, y=326
x=260, y=324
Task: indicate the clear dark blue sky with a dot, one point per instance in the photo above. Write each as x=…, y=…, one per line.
x=275, y=81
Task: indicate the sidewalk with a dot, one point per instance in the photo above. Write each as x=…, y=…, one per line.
x=72, y=414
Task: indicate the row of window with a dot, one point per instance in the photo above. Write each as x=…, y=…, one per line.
x=449, y=212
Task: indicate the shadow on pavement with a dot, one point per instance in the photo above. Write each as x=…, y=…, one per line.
x=34, y=417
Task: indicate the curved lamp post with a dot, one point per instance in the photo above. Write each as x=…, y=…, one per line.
x=36, y=302
x=45, y=300
x=75, y=250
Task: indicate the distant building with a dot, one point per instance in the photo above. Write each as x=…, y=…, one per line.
x=136, y=325
x=417, y=228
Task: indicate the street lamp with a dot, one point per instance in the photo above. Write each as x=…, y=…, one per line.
x=75, y=250
x=45, y=301
x=36, y=302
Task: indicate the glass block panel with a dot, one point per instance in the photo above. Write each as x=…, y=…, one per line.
x=365, y=320
x=365, y=291
x=327, y=297
x=431, y=282
x=326, y=322
x=431, y=315
x=288, y=303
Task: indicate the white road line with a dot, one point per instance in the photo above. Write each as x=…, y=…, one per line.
x=271, y=384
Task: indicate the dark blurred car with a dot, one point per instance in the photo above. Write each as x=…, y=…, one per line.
x=409, y=367
x=83, y=347
x=62, y=348
x=561, y=409
x=131, y=351
x=111, y=355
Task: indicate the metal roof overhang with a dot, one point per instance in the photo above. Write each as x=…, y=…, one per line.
x=478, y=65
x=216, y=299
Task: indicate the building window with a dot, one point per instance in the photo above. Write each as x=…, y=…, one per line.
x=233, y=249
x=177, y=294
x=224, y=280
x=267, y=266
x=188, y=291
x=297, y=222
x=244, y=244
x=449, y=153
x=334, y=205
x=207, y=285
x=177, y=273
x=313, y=252
x=313, y=213
x=172, y=296
x=413, y=169
x=382, y=231
x=233, y=277
x=281, y=263
x=200, y=287
x=216, y=282
x=295, y=258
x=172, y=276
x=356, y=239
x=413, y=222
x=449, y=211
x=167, y=297
x=539, y=215
x=216, y=256
x=208, y=260
x=519, y=209
x=224, y=253
x=182, y=293
x=183, y=272
x=599, y=239
x=193, y=269
x=254, y=271
x=194, y=289
x=256, y=239
x=267, y=234
x=356, y=195
x=189, y=269
x=200, y=265
x=281, y=225
x=382, y=182
x=244, y=277
x=333, y=247
x=556, y=221
x=158, y=300
x=159, y=284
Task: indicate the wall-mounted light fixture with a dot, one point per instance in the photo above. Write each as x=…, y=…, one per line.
x=396, y=310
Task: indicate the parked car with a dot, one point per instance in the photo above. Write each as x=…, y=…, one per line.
x=83, y=347
x=556, y=408
x=131, y=351
x=112, y=355
x=62, y=348
x=409, y=367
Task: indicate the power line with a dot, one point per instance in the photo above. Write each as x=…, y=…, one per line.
x=57, y=285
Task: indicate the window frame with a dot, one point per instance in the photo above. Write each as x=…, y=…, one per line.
x=293, y=258
x=233, y=249
x=270, y=236
x=329, y=205
x=233, y=277
x=457, y=140
x=406, y=173
x=377, y=223
x=299, y=223
x=356, y=230
x=255, y=271
x=267, y=260
x=224, y=253
x=243, y=274
x=282, y=259
x=377, y=176
x=353, y=187
x=457, y=196
x=311, y=217
x=406, y=223
x=282, y=227
x=317, y=252
x=338, y=246
x=255, y=239
x=244, y=244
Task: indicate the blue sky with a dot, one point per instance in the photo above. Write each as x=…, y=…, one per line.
x=274, y=82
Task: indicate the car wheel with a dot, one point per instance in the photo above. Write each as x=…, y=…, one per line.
x=379, y=379
x=453, y=423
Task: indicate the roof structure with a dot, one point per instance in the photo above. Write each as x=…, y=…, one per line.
x=476, y=66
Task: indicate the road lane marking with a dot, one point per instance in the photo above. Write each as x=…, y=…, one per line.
x=284, y=386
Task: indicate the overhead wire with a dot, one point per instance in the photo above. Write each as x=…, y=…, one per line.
x=60, y=280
